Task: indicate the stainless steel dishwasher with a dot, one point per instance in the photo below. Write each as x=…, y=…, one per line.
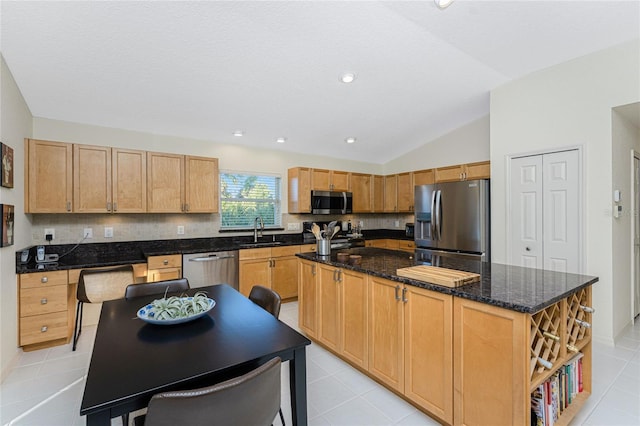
x=203, y=269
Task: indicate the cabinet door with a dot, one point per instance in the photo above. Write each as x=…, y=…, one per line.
x=378, y=193
x=405, y=192
x=329, y=306
x=386, y=338
x=284, y=276
x=423, y=177
x=428, y=351
x=491, y=353
x=354, y=317
x=362, y=190
x=201, y=185
x=129, y=175
x=49, y=177
x=165, y=180
x=481, y=170
x=91, y=179
x=299, y=190
x=391, y=193
x=254, y=272
x=449, y=174
x=321, y=179
x=307, y=298
x=340, y=181
x=164, y=274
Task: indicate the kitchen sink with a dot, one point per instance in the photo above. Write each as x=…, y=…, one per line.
x=264, y=244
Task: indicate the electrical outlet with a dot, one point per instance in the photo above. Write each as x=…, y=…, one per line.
x=293, y=226
x=180, y=230
x=108, y=232
x=396, y=224
x=360, y=223
x=49, y=231
x=87, y=233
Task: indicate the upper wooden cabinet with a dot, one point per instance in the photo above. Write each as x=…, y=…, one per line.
x=178, y=183
x=362, y=188
x=404, y=192
x=423, y=177
x=48, y=177
x=390, y=194
x=299, y=183
x=108, y=180
x=330, y=180
x=378, y=193
x=471, y=171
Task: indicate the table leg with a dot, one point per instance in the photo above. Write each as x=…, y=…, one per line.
x=101, y=418
x=298, y=387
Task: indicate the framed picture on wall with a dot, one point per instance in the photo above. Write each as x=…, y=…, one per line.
x=8, y=215
x=6, y=166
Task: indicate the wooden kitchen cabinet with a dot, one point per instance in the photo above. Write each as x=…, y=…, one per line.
x=44, y=299
x=108, y=180
x=201, y=184
x=162, y=268
x=329, y=326
x=423, y=177
x=271, y=267
x=378, y=193
x=404, y=192
x=48, y=177
x=353, y=318
x=362, y=189
x=308, y=297
x=381, y=243
x=471, y=171
x=390, y=193
x=299, y=185
x=330, y=180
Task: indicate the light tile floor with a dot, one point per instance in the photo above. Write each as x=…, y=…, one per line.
x=45, y=387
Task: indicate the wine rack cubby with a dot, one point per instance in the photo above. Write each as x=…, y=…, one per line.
x=546, y=343
x=579, y=316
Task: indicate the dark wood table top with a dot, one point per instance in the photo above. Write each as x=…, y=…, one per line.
x=133, y=360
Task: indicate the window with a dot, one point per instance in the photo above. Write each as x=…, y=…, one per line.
x=244, y=196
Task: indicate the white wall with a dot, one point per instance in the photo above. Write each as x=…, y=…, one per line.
x=15, y=124
x=569, y=105
x=467, y=144
x=626, y=136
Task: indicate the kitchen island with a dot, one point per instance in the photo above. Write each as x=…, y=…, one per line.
x=469, y=355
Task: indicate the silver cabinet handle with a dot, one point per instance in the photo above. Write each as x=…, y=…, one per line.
x=396, y=293
x=44, y=329
x=313, y=270
x=115, y=207
x=404, y=292
x=68, y=206
x=43, y=301
x=339, y=275
x=108, y=207
x=165, y=262
x=186, y=207
x=44, y=279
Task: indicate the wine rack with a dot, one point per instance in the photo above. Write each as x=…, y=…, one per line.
x=545, y=341
x=579, y=315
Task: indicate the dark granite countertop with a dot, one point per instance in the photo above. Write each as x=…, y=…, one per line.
x=92, y=255
x=511, y=287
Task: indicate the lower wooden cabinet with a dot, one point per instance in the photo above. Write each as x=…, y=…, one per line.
x=160, y=268
x=272, y=267
x=307, y=297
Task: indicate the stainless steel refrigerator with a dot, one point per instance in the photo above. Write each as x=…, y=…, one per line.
x=453, y=219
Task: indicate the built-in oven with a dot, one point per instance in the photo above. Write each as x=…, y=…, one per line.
x=331, y=202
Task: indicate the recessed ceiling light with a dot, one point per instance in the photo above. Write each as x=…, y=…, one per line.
x=443, y=4
x=350, y=140
x=238, y=133
x=348, y=77
x=281, y=140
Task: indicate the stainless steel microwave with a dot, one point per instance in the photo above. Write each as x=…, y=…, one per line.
x=331, y=202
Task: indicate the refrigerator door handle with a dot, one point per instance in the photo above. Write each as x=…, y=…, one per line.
x=438, y=214
x=432, y=223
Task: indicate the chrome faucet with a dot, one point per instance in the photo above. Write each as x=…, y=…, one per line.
x=255, y=228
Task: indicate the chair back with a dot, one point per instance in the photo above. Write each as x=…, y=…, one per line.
x=267, y=299
x=99, y=285
x=158, y=287
x=251, y=399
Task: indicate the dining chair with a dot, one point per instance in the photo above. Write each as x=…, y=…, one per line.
x=250, y=399
x=158, y=287
x=97, y=286
x=267, y=299
x=270, y=301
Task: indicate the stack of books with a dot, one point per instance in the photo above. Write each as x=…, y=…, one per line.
x=553, y=396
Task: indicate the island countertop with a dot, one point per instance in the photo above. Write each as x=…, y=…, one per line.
x=510, y=287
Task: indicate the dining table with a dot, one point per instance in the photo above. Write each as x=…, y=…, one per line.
x=132, y=360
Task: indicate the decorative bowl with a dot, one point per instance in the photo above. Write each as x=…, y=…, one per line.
x=146, y=314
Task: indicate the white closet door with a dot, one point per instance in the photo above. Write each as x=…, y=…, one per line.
x=561, y=216
x=526, y=212
x=636, y=238
x=544, y=216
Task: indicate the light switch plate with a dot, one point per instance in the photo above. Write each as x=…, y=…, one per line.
x=108, y=232
x=180, y=230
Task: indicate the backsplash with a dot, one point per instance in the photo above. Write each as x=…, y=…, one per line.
x=69, y=228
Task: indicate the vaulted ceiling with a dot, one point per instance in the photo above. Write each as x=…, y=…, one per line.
x=272, y=68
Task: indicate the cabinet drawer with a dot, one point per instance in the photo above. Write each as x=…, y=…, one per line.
x=42, y=279
x=45, y=300
x=306, y=248
x=258, y=253
x=284, y=251
x=164, y=274
x=170, y=261
x=42, y=328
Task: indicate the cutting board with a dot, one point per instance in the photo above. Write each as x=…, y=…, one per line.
x=437, y=275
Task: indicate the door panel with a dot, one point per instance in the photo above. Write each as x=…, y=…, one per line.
x=526, y=212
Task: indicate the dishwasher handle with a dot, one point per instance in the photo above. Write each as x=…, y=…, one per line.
x=210, y=258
